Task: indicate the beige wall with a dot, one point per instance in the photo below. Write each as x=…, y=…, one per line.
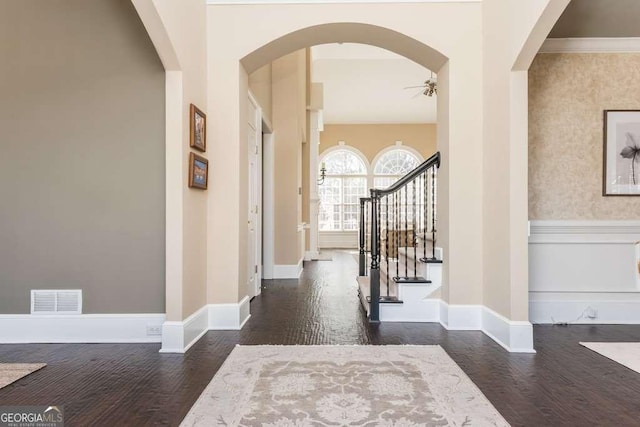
x=260, y=86
x=512, y=33
x=179, y=34
x=82, y=156
x=370, y=139
x=567, y=96
x=289, y=121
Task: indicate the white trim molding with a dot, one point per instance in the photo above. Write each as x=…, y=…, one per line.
x=288, y=271
x=258, y=2
x=229, y=317
x=460, y=317
x=592, y=45
x=80, y=328
x=178, y=337
x=513, y=336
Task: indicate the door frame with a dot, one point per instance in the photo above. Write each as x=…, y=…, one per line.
x=268, y=200
x=256, y=122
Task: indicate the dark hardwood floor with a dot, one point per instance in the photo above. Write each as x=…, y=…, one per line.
x=564, y=384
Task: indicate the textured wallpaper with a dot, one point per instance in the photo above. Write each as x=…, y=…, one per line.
x=567, y=96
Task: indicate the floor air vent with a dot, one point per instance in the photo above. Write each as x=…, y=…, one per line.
x=56, y=301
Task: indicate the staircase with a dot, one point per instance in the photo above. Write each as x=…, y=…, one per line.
x=401, y=268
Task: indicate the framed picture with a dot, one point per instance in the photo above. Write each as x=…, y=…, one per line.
x=621, y=153
x=198, y=171
x=198, y=127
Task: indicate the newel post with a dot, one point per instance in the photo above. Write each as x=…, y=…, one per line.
x=374, y=276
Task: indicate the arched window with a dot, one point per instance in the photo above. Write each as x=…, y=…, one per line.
x=392, y=165
x=345, y=183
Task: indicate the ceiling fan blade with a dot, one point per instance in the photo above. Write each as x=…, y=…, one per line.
x=417, y=94
x=414, y=87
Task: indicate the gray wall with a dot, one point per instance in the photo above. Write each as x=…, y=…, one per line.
x=81, y=155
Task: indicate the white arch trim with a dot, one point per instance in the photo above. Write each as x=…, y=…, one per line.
x=395, y=147
x=345, y=147
x=241, y=2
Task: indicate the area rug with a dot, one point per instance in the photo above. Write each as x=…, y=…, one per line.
x=625, y=353
x=11, y=372
x=341, y=386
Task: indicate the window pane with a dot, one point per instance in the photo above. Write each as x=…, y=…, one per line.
x=344, y=162
x=354, y=188
x=384, y=181
x=330, y=194
x=351, y=217
x=396, y=162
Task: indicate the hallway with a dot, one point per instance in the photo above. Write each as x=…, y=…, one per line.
x=133, y=384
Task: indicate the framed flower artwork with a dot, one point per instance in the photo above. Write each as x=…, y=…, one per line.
x=621, y=153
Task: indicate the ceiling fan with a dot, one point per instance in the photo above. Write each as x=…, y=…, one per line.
x=428, y=88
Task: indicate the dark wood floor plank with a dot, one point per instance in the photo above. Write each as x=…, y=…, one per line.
x=564, y=384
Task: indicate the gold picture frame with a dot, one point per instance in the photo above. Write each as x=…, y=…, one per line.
x=198, y=171
x=198, y=129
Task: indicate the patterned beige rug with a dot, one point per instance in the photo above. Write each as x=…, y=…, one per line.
x=625, y=353
x=299, y=386
x=11, y=372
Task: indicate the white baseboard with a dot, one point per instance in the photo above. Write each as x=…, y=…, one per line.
x=426, y=310
x=514, y=336
x=310, y=255
x=612, y=312
x=229, y=316
x=288, y=271
x=461, y=317
x=178, y=337
x=79, y=328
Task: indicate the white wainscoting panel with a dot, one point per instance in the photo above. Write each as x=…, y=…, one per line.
x=580, y=265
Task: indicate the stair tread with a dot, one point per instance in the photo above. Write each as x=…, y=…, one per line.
x=365, y=289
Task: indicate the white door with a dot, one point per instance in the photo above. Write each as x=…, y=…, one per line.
x=254, y=244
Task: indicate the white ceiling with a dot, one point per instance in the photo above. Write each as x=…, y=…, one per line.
x=365, y=84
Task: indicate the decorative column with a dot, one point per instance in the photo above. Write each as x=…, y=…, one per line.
x=316, y=126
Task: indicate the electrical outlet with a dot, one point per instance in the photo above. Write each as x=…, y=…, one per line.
x=591, y=313
x=154, y=330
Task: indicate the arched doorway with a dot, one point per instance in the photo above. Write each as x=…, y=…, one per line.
x=238, y=47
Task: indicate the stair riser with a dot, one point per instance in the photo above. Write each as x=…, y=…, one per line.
x=431, y=272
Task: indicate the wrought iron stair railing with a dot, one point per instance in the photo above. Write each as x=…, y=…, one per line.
x=399, y=221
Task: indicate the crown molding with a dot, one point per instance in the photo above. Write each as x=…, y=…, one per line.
x=246, y=2
x=592, y=45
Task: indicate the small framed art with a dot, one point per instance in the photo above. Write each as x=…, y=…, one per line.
x=198, y=171
x=198, y=137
